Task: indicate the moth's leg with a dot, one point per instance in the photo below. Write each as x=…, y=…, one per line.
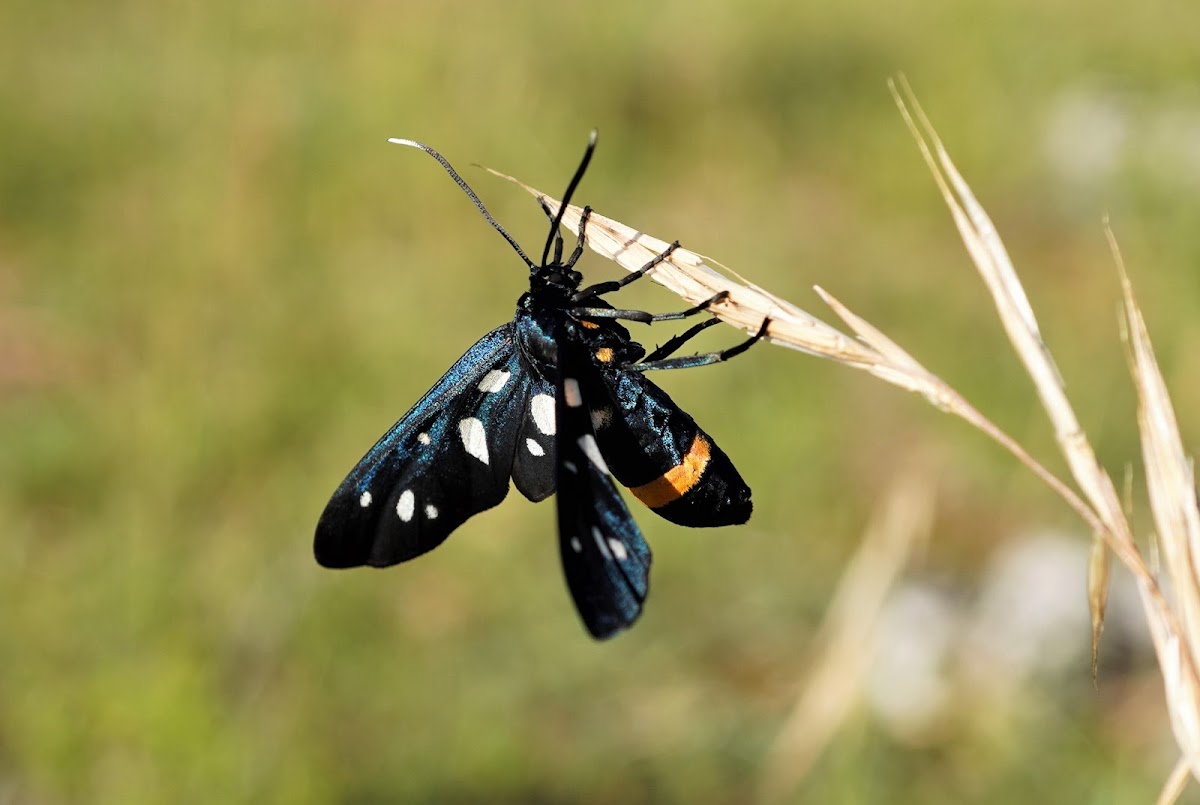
x=644, y=317
x=601, y=288
x=672, y=346
x=583, y=222
x=558, y=240
x=705, y=358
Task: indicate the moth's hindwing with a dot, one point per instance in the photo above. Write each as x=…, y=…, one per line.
x=533, y=465
x=658, y=451
x=605, y=559
x=448, y=458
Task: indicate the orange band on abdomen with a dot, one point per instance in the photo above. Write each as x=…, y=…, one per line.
x=675, y=482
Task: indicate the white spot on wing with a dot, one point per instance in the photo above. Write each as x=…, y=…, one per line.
x=596, y=535
x=542, y=408
x=587, y=443
x=474, y=438
x=365, y=500
x=601, y=417
x=534, y=447
x=431, y=512
x=571, y=393
x=405, y=505
x=576, y=545
x=423, y=438
x=494, y=380
x=618, y=549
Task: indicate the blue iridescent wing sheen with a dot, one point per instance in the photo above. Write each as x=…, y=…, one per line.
x=657, y=450
x=448, y=458
x=605, y=559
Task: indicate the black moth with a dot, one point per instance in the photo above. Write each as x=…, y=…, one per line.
x=557, y=400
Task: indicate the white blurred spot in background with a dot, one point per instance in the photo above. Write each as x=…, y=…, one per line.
x=1092, y=135
x=1026, y=626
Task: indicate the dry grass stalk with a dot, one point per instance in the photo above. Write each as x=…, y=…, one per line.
x=1175, y=626
x=844, y=645
x=1172, y=490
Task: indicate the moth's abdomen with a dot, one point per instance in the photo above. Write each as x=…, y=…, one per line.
x=702, y=489
x=656, y=450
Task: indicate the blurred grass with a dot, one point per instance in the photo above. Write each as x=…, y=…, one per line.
x=218, y=285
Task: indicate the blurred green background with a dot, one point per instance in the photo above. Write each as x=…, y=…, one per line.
x=219, y=285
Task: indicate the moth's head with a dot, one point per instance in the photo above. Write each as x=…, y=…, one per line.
x=554, y=276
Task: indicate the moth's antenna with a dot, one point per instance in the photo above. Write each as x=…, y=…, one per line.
x=466, y=188
x=562, y=207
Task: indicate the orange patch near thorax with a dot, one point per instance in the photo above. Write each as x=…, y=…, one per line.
x=675, y=482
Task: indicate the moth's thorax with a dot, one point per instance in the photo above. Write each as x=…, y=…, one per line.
x=541, y=329
x=541, y=312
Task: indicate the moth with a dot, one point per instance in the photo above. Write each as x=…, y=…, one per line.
x=557, y=400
